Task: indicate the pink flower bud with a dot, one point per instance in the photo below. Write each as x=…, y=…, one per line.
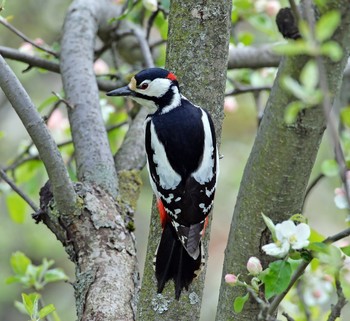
x=231, y=279
x=100, y=67
x=254, y=266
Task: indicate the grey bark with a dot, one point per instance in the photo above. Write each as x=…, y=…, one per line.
x=93, y=157
x=32, y=121
x=95, y=228
x=197, y=53
x=277, y=171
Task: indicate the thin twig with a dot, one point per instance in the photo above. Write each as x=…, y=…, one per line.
x=311, y=187
x=20, y=34
x=150, y=23
x=295, y=11
x=289, y=318
x=147, y=55
x=302, y=301
x=341, y=302
x=248, y=89
x=19, y=160
x=16, y=189
x=62, y=185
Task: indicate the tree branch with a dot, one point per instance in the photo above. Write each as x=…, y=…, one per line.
x=192, y=30
x=16, y=189
x=253, y=57
x=33, y=61
x=290, y=151
x=20, y=34
x=62, y=186
x=92, y=152
x=341, y=302
x=132, y=155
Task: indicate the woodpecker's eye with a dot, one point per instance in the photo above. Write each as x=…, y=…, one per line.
x=143, y=86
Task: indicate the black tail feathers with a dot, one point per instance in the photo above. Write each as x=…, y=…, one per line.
x=173, y=262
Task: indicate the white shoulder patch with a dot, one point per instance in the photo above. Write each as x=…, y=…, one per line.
x=168, y=178
x=205, y=171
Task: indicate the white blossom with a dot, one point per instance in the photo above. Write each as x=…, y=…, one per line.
x=288, y=235
x=318, y=289
x=277, y=249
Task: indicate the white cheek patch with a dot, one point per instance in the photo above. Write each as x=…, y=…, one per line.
x=156, y=88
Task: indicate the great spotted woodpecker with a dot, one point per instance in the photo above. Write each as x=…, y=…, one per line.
x=183, y=168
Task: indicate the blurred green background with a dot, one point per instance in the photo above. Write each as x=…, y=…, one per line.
x=43, y=19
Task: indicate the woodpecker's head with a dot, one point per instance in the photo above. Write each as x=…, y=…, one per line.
x=153, y=88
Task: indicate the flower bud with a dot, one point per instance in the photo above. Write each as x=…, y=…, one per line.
x=231, y=279
x=151, y=5
x=254, y=266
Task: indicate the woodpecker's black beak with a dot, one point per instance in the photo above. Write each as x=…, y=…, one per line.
x=123, y=91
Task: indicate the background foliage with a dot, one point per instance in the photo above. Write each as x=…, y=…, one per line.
x=252, y=24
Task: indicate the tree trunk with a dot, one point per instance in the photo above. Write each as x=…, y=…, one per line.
x=197, y=53
x=278, y=169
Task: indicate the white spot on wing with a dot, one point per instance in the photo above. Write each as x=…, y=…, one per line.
x=205, y=171
x=206, y=210
x=168, y=178
x=166, y=199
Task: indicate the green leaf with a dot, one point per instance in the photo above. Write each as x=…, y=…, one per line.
x=16, y=207
x=294, y=48
x=269, y=225
x=346, y=250
x=55, y=316
x=46, y=310
x=293, y=86
x=309, y=75
x=345, y=116
x=298, y=218
x=13, y=279
x=326, y=25
x=55, y=275
x=126, y=12
x=318, y=247
x=333, y=50
x=19, y=263
x=292, y=111
x=331, y=258
x=305, y=32
x=315, y=236
x=20, y=307
x=47, y=102
x=246, y=38
x=30, y=302
x=330, y=168
x=344, y=282
x=294, y=264
x=239, y=302
x=276, y=277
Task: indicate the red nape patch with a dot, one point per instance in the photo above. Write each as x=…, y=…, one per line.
x=162, y=214
x=171, y=76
